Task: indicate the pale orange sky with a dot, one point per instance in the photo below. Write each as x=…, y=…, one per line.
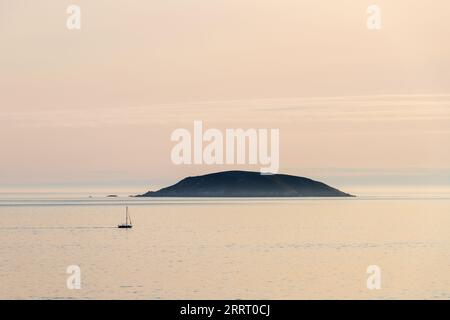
x=98, y=105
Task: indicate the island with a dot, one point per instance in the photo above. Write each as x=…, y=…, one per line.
x=247, y=184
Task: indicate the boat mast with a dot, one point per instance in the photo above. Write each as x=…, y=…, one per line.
x=126, y=217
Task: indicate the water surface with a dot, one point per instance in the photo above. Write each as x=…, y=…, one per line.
x=224, y=248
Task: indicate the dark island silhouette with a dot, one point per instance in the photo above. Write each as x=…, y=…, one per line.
x=247, y=184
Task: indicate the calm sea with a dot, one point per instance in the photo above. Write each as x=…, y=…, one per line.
x=224, y=248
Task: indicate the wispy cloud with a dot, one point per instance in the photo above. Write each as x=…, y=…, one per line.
x=379, y=108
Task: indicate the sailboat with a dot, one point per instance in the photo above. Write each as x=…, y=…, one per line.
x=127, y=219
